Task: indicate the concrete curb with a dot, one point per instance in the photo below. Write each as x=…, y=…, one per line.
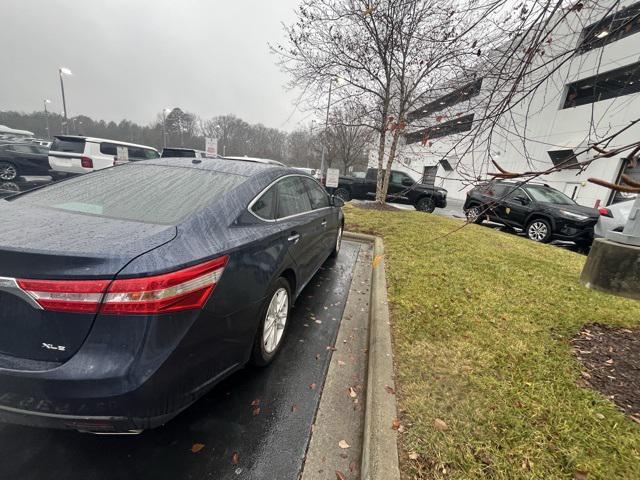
x=380, y=444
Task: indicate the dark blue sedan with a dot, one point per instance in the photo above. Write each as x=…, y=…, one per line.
x=127, y=293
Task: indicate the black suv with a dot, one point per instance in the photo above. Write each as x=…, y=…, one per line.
x=402, y=189
x=542, y=212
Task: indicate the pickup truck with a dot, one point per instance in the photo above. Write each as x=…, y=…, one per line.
x=402, y=189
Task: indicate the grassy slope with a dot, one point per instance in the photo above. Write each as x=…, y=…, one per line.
x=482, y=322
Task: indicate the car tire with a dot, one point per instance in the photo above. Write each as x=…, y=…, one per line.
x=8, y=171
x=272, y=328
x=338, y=243
x=474, y=214
x=539, y=230
x=426, y=204
x=343, y=193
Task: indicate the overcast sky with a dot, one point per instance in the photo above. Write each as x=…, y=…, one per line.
x=131, y=58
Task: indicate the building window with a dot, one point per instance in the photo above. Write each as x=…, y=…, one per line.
x=462, y=124
x=463, y=93
x=623, y=23
x=564, y=158
x=611, y=84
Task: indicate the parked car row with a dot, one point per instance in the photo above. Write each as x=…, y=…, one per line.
x=542, y=212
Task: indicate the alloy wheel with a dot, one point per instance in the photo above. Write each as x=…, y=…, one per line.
x=276, y=320
x=8, y=172
x=538, y=231
x=473, y=214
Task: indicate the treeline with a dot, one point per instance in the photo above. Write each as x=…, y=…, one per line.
x=302, y=147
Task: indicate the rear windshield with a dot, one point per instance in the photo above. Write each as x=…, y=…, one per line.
x=71, y=146
x=143, y=193
x=177, y=152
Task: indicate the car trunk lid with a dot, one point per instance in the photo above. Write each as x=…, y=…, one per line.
x=38, y=243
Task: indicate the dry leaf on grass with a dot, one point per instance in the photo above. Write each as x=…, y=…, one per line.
x=440, y=424
x=343, y=444
x=413, y=456
x=395, y=425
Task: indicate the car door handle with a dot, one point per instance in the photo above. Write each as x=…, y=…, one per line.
x=293, y=238
x=324, y=223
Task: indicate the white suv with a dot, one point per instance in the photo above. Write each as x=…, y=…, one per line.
x=70, y=154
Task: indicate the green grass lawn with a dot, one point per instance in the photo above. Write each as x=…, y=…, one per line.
x=482, y=322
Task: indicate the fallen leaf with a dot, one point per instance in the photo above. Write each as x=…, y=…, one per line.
x=235, y=458
x=340, y=475
x=395, y=425
x=440, y=424
x=580, y=475
x=527, y=464
x=341, y=363
x=413, y=456
x=352, y=392
x=312, y=386
x=196, y=447
x=599, y=416
x=294, y=408
x=343, y=444
x=390, y=389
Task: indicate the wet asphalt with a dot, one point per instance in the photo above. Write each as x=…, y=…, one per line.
x=254, y=425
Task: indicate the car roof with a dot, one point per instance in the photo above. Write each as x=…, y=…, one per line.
x=256, y=160
x=224, y=165
x=184, y=149
x=99, y=140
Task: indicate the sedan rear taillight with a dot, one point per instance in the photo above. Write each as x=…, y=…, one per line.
x=81, y=296
x=184, y=289
x=605, y=212
x=86, y=162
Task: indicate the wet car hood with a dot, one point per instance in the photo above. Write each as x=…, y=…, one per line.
x=578, y=209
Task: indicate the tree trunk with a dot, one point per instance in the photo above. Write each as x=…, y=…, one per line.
x=380, y=198
x=392, y=156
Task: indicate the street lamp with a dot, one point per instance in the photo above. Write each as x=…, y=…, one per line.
x=164, y=126
x=64, y=71
x=46, y=117
x=326, y=123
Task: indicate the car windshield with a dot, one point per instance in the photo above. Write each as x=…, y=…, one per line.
x=548, y=195
x=144, y=193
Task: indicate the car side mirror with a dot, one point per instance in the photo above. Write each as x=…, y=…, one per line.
x=337, y=201
x=522, y=199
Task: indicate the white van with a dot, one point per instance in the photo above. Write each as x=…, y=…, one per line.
x=78, y=154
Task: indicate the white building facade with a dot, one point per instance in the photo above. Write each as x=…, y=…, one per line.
x=593, y=92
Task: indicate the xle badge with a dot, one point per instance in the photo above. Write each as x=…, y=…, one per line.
x=59, y=348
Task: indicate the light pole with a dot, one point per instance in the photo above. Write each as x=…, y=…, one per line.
x=64, y=71
x=46, y=117
x=326, y=125
x=164, y=126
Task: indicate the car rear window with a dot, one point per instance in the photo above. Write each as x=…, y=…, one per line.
x=177, y=152
x=66, y=145
x=144, y=193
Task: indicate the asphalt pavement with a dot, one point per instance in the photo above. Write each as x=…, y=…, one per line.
x=254, y=425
